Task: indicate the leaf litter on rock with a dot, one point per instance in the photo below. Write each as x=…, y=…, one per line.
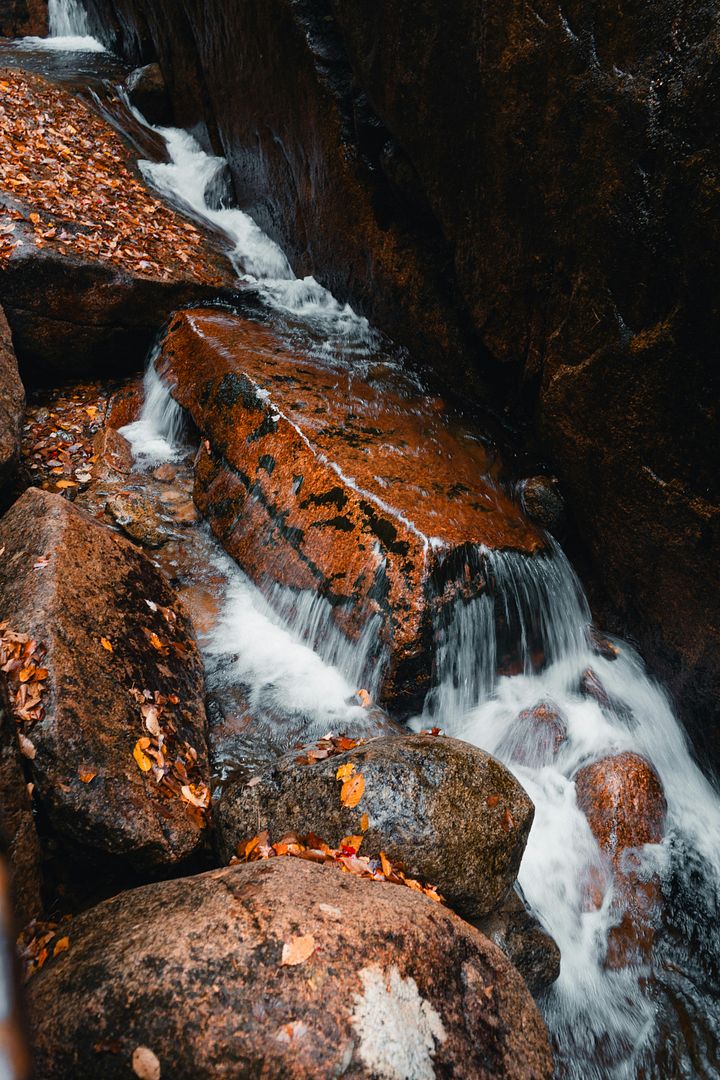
x=345, y=857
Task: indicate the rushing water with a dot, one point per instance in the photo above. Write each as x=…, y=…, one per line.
x=659, y=1020
x=636, y=1022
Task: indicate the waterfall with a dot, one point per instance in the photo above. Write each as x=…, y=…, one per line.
x=69, y=29
x=67, y=18
x=606, y=1023
x=526, y=641
x=190, y=181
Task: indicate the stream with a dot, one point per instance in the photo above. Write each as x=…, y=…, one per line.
x=280, y=658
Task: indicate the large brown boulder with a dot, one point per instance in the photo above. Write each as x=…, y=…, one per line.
x=568, y=241
x=21, y=17
x=281, y=969
x=111, y=629
x=12, y=404
x=449, y=813
x=363, y=490
x=91, y=263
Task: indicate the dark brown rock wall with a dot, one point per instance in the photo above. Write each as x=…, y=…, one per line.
x=539, y=181
x=20, y=17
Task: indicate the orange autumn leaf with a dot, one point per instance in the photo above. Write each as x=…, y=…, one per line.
x=63, y=484
x=352, y=791
x=141, y=758
x=61, y=946
x=107, y=645
x=386, y=865
x=298, y=950
x=26, y=674
x=345, y=771
x=86, y=775
x=156, y=642
x=364, y=823
x=353, y=842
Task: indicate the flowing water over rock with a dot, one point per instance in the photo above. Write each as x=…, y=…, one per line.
x=519, y=673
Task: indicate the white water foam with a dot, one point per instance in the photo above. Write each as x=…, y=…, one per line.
x=69, y=29
x=158, y=435
x=605, y=1023
x=187, y=179
x=286, y=651
x=589, y=1007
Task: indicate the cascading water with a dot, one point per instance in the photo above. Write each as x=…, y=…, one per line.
x=67, y=18
x=606, y=1023
x=187, y=180
x=69, y=29
x=523, y=643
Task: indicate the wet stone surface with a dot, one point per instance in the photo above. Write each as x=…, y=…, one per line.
x=283, y=969
x=447, y=812
x=358, y=488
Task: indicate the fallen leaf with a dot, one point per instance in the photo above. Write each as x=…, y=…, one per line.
x=298, y=950
x=345, y=771
x=352, y=791
x=63, y=484
x=86, y=775
x=386, y=864
x=140, y=756
x=364, y=823
x=351, y=843
x=61, y=946
x=106, y=644
x=146, y=1064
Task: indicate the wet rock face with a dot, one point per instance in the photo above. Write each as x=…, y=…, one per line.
x=573, y=230
x=86, y=278
x=21, y=17
x=309, y=966
x=450, y=814
x=12, y=404
x=148, y=93
x=362, y=491
x=623, y=800
x=111, y=627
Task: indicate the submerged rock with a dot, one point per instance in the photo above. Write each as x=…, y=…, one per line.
x=111, y=628
x=361, y=490
x=148, y=93
x=282, y=969
x=12, y=404
x=535, y=737
x=524, y=941
x=139, y=518
x=623, y=800
x=445, y=811
x=91, y=263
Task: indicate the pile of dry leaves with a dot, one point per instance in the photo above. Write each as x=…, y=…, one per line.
x=346, y=857
x=168, y=759
x=66, y=182
x=58, y=437
x=38, y=941
x=21, y=660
